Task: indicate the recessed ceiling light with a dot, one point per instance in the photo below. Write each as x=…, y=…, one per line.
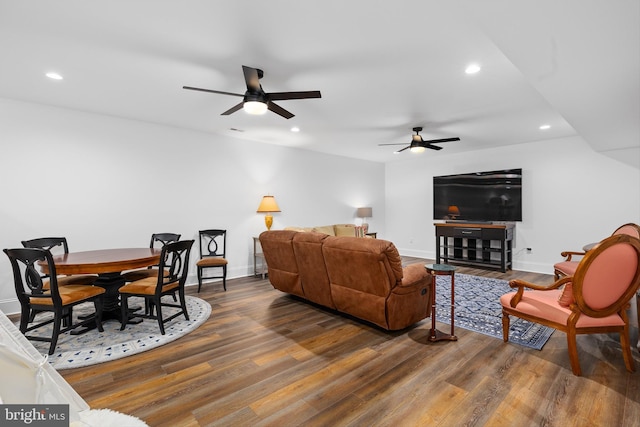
x=545, y=127
x=295, y=129
x=472, y=69
x=54, y=76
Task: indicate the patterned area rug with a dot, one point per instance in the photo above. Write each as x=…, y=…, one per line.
x=477, y=308
x=92, y=347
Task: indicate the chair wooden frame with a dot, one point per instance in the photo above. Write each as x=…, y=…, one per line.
x=174, y=259
x=151, y=271
x=582, y=306
x=35, y=298
x=212, y=255
x=568, y=266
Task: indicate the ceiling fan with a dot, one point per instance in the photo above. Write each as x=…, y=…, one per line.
x=256, y=100
x=418, y=145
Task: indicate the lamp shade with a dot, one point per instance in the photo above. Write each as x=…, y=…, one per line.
x=268, y=204
x=364, y=212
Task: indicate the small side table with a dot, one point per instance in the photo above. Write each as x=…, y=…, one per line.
x=258, y=255
x=441, y=270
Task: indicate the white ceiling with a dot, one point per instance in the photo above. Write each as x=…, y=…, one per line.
x=383, y=67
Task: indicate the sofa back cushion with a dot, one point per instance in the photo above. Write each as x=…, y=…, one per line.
x=313, y=273
x=325, y=229
x=277, y=246
x=362, y=273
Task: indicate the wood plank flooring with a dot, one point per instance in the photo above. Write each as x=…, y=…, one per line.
x=268, y=359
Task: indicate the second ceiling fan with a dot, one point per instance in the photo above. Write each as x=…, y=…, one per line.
x=418, y=145
x=256, y=100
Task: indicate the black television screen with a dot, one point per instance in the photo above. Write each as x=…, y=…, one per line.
x=479, y=196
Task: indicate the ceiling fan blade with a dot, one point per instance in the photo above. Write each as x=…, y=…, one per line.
x=252, y=78
x=433, y=147
x=281, y=96
x=442, y=140
x=405, y=148
x=401, y=143
x=233, y=109
x=279, y=110
x=211, y=91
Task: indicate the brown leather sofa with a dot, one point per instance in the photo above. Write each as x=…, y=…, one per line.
x=361, y=277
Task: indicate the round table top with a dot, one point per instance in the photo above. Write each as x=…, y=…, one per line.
x=440, y=268
x=105, y=260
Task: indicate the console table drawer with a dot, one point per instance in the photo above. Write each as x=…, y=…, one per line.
x=472, y=233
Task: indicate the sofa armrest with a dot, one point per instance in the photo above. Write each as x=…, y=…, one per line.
x=414, y=273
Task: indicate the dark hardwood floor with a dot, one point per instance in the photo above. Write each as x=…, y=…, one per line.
x=266, y=358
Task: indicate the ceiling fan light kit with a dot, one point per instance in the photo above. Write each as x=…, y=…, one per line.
x=419, y=145
x=255, y=107
x=256, y=100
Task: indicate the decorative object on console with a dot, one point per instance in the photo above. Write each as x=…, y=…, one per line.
x=268, y=205
x=453, y=212
x=365, y=213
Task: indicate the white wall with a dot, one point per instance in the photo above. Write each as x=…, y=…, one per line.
x=105, y=182
x=571, y=196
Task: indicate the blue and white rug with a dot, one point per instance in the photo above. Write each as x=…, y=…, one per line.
x=477, y=308
x=92, y=347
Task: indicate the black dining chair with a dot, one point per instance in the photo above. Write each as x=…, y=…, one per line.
x=174, y=259
x=158, y=240
x=58, y=245
x=35, y=298
x=213, y=248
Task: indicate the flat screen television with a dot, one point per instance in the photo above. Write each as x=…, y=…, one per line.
x=491, y=196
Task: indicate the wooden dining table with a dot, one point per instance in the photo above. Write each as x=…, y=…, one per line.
x=108, y=264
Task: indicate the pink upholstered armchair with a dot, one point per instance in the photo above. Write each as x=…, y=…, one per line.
x=594, y=300
x=569, y=265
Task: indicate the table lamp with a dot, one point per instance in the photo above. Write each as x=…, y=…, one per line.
x=364, y=213
x=267, y=205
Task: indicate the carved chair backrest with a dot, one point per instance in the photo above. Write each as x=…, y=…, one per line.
x=27, y=278
x=608, y=276
x=630, y=229
x=213, y=243
x=174, y=259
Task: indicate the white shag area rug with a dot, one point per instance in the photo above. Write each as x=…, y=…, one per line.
x=107, y=418
x=93, y=347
